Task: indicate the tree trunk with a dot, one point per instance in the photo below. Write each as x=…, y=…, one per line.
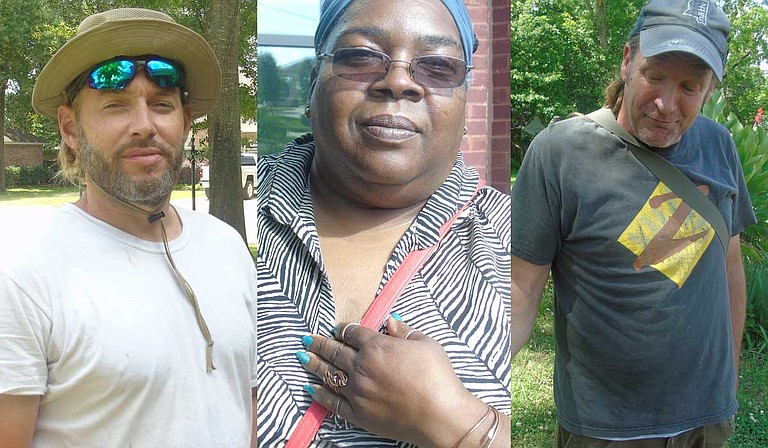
x=3, y=85
x=224, y=120
x=602, y=28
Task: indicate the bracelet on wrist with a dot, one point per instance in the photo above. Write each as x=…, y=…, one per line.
x=494, y=431
x=474, y=428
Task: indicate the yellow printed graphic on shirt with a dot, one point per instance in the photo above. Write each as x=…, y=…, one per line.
x=668, y=235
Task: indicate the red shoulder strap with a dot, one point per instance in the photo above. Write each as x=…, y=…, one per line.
x=373, y=318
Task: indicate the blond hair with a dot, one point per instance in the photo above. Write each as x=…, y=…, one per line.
x=69, y=164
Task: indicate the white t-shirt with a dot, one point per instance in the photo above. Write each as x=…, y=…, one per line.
x=94, y=320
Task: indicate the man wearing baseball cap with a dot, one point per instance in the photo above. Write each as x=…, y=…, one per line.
x=649, y=297
x=126, y=321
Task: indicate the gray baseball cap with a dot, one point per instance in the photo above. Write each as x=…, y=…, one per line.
x=698, y=27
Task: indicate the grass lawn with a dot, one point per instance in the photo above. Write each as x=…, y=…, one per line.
x=47, y=195
x=533, y=407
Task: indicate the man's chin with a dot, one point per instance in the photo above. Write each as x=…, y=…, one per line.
x=150, y=192
x=659, y=140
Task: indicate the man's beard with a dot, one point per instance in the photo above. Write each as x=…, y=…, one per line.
x=108, y=174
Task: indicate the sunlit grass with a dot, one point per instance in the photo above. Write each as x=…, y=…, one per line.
x=53, y=196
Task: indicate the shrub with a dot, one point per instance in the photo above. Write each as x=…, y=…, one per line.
x=28, y=176
x=756, y=326
x=752, y=145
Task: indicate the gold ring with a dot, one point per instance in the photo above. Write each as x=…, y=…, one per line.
x=344, y=331
x=336, y=379
x=410, y=333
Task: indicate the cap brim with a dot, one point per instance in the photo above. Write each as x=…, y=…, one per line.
x=131, y=38
x=667, y=38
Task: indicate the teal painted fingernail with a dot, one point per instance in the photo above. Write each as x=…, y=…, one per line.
x=307, y=340
x=303, y=357
x=397, y=317
x=309, y=389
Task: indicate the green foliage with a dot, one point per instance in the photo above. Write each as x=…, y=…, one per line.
x=533, y=408
x=564, y=53
x=277, y=128
x=746, y=85
x=26, y=176
x=752, y=146
x=752, y=418
x=269, y=75
x=756, y=327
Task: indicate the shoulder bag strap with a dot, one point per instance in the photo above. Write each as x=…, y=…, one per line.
x=667, y=173
x=373, y=318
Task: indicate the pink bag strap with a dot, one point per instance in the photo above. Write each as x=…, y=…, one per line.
x=373, y=318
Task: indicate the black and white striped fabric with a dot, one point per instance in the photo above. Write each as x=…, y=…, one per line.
x=461, y=296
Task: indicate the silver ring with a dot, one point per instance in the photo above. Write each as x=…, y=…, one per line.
x=338, y=405
x=410, y=333
x=344, y=331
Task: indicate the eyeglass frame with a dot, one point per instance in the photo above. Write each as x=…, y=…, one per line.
x=388, y=58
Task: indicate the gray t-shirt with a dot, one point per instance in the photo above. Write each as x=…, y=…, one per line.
x=642, y=320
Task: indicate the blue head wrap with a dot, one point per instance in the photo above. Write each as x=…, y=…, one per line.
x=331, y=11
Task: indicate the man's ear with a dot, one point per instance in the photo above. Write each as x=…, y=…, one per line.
x=625, y=64
x=68, y=126
x=712, y=86
x=187, y=109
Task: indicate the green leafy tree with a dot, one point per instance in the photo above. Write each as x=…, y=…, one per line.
x=269, y=75
x=18, y=21
x=564, y=53
x=746, y=84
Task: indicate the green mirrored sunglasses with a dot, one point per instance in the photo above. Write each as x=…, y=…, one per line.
x=117, y=73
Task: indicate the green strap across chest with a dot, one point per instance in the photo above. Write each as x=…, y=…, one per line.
x=672, y=177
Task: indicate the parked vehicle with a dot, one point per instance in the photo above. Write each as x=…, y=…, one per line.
x=247, y=171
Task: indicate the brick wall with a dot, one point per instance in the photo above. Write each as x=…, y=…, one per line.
x=19, y=154
x=488, y=143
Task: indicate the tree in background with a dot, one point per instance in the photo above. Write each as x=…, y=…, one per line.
x=18, y=20
x=224, y=120
x=564, y=53
x=270, y=75
x=745, y=85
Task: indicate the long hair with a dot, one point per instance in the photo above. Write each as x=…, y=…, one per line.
x=614, y=93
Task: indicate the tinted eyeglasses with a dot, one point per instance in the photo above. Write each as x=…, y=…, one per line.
x=366, y=65
x=116, y=74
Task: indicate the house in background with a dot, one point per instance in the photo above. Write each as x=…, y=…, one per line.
x=22, y=148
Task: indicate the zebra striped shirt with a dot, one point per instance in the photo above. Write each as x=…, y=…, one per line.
x=460, y=298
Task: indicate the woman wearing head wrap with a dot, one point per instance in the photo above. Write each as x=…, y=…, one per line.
x=343, y=214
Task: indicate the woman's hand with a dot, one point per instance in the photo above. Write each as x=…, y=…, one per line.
x=396, y=388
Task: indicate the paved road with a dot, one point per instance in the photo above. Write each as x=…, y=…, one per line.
x=18, y=217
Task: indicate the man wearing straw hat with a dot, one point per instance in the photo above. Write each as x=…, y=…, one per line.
x=126, y=321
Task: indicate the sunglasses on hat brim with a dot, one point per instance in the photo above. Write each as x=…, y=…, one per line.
x=117, y=73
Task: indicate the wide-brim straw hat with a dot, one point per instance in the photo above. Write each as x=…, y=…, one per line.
x=130, y=32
